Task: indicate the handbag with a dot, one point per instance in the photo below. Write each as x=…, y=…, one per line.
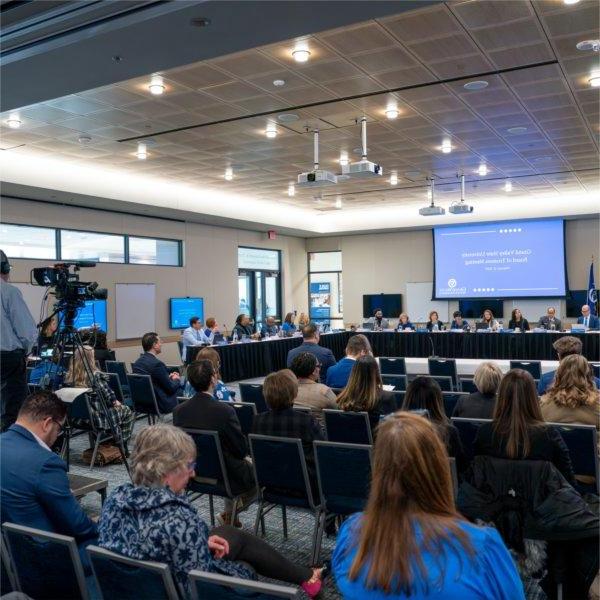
x=107, y=454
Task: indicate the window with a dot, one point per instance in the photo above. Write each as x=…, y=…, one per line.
x=258, y=259
x=22, y=241
x=87, y=245
x=325, y=297
x=147, y=251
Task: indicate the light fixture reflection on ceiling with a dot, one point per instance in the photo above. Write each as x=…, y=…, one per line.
x=394, y=178
x=271, y=130
x=301, y=53
x=338, y=202
x=141, y=153
x=447, y=146
x=392, y=112
x=570, y=1
x=13, y=122
x=228, y=174
x=291, y=190
x=157, y=87
x=344, y=158
x=594, y=80
x=508, y=186
x=483, y=170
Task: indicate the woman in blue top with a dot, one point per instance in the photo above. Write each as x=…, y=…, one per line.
x=288, y=323
x=404, y=323
x=411, y=542
x=221, y=391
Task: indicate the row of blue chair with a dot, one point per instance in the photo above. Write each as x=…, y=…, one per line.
x=46, y=565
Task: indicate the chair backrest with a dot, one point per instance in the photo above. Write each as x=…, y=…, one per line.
x=445, y=367
x=450, y=401
x=180, y=348
x=210, y=464
x=115, y=385
x=467, y=384
x=596, y=369
x=142, y=394
x=46, y=565
x=118, y=367
x=126, y=578
x=398, y=381
x=531, y=366
x=444, y=381
x=279, y=464
x=392, y=366
x=302, y=409
x=467, y=430
x=80, y=409
x=399, y=396
x=7, y=581
x=347, y=427
x=582, y=442
x=252, y=392
x=214, y=586
x=245, y=412
x=344, y=475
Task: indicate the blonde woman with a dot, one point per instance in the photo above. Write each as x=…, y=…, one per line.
x=303, y=321
x=480, y=404
x=573, y=397
x=121, y=416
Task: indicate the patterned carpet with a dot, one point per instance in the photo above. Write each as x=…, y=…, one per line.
x=300, y=523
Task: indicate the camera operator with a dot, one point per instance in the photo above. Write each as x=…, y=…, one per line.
x=18, y=334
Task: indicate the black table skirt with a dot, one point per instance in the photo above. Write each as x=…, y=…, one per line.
x=257, y=359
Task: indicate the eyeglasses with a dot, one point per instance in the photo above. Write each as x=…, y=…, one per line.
x=61, y=426
x=191, y=466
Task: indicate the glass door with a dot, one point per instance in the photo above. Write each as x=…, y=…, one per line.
x=259, y=295
x=245, y=285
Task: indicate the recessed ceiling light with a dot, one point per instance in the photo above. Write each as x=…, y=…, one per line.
x=301, y=53
x=516, y=130
x=279, y=82
x=338, y=202
x=447, y=146
x=394, y=178
x=508, y=186
x=13, y=122
x=483, y=170
x=392, y=112
x=84, y=138
x=570, y=1
x=473, y=86
x=141, y=153
x=587, y=45
x=271, y=130
x=344, y=158
x=287, y=117
x=291, y=190
x=156, y=87
x=594, y=80
x=228, y=174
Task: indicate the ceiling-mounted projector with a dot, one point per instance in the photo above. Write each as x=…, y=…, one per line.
x=432, y=210
x=317, y=177
x=461, y=208
x=363, y=168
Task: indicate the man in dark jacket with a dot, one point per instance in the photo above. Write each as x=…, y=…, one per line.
x=311, y=344
x=167, y=386
x=202, y=411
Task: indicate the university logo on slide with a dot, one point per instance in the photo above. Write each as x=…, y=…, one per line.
x=452, y=283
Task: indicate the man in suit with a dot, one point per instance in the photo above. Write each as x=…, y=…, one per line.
x=310, y=344
x=338, y=374
x=33, y=479
x=202, y=411
x=269, y=328
x=564, y=346
x=589, y=320
x=194, y=335
x=550, y=321
x=167, y=386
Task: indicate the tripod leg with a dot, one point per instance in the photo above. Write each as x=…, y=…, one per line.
x=96, y=445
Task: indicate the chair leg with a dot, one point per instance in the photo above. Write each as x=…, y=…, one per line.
x=259, y=518
x=284, y=517
x=211, y=505
x=318, y=536
x=96, y=446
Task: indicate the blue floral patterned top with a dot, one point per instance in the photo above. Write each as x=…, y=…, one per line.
x=157, y=524
x=221, y=392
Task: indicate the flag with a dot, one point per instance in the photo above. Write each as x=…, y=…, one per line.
x=592, y=296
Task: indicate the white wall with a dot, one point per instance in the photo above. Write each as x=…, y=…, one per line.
x=210, y=269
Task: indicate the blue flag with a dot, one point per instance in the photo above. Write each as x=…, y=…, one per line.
x=592, y=293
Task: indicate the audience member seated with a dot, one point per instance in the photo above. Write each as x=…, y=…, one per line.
x=34, y=482
x=243, y=328
x=118, y=414
x=47, y=372
x=480, y=404
x=434, y=323
x=280, y=390
x=549, y=320
x=488, y=320
x=153, y=519
x=310, y=335
x=564, y=346
x=270, y=328
x=194, y=336
x=364, y=392
x=202, y=411
x=424, y=393
x=404, y=323
x=311, y=393
x=588, y=319
x=518, y=321
x=167, y=386
x=289, y=326
x=303, y=321
x=411, y=542
x=378, y=320
x=357, y=346
x=458, y=322
x=46, y=338
x=518, y=430
x=221, y=391
x=573, y=396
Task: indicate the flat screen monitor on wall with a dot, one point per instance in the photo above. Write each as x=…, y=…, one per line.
x=183, y=309
x=508, y=259
x=390, y=304
x=473, y=309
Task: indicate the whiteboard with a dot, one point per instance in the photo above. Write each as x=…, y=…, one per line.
x=33, y=296
x=419, y=302
x=532, y=310
x=135, y=307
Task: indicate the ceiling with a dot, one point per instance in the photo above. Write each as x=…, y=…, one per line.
x=214, y=113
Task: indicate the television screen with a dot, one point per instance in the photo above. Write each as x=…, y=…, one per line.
x=390, y=304
x=183, y=309
x=473, y=309
x=93, y=314
x=575, y=300
x=509, y=259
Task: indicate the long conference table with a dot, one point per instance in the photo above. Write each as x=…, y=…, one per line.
x=250, y=360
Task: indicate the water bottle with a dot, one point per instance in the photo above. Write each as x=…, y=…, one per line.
x=552, y=326
x=234, y=339
x=435, y=327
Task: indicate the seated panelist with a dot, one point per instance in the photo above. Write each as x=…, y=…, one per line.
x=404, y=323
x=289, y=326
x=210, y=328
x=458, y=322
x=243, y=327
x=434, y=323
x=379, y=322
x=518, y=321
x=488, y=319
x=194, y=335
x=550, y=320
x=589, y=320
x=269, y=328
